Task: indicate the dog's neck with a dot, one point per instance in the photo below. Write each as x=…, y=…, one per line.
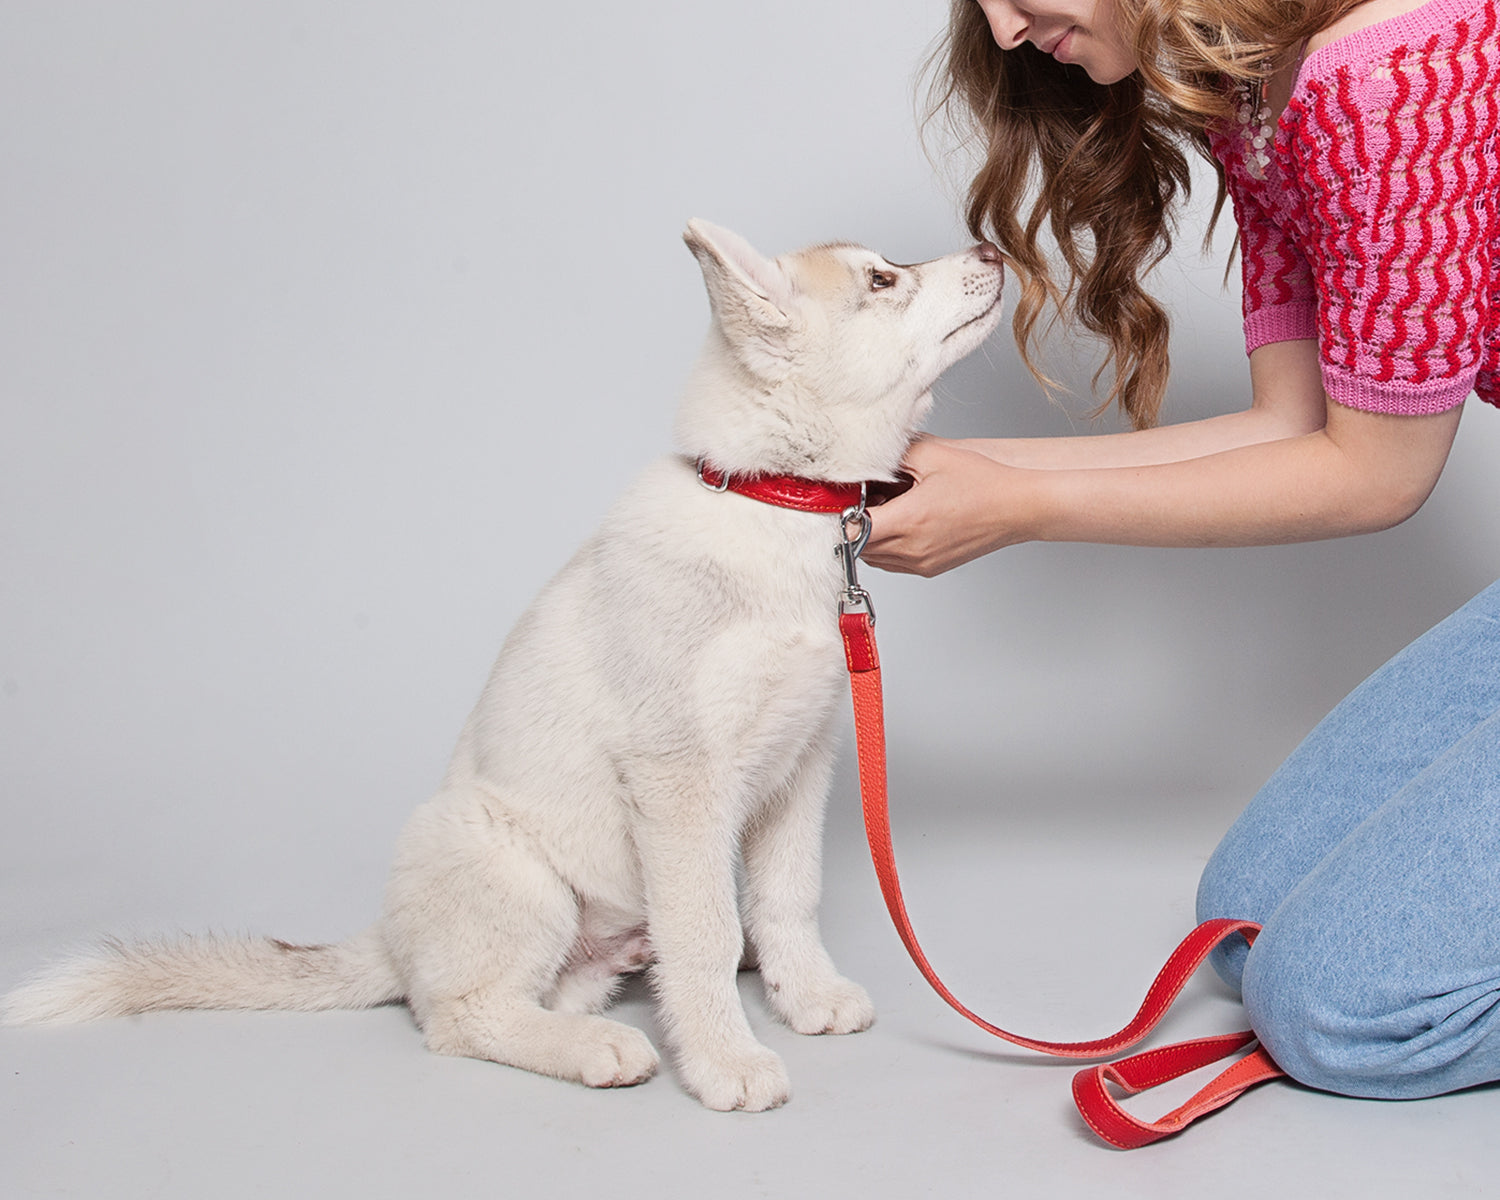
x=749, y=426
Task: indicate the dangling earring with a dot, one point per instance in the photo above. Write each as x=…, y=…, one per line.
x=1254, y=118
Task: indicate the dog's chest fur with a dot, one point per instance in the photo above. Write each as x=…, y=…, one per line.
x=691, y=642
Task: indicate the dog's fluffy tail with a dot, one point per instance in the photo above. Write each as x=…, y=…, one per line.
x=209, y=972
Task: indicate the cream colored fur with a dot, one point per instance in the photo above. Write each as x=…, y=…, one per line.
x=664, y=714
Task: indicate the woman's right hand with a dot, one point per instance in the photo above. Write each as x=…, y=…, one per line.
x=959, y=508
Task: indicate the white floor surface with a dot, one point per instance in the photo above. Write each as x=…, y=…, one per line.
x=1051, y=928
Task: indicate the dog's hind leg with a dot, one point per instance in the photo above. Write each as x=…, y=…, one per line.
x=783, y=884
x=498, y=1025
x=482, y=927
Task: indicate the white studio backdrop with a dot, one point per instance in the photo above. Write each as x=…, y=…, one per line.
x=327, y=330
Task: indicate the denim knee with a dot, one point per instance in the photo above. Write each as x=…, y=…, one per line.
x=1222, y=892
x=1287, y=1011
x=1345, y=1026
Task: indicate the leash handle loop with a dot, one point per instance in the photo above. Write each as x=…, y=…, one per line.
x=1098, y=1106
x=1107, y=1118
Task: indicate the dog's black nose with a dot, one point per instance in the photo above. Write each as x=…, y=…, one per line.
x=989, y=252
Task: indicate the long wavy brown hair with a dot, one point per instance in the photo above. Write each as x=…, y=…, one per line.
x=1101, y=168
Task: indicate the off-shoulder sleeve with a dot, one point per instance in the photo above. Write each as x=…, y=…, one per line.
x=1394, y=159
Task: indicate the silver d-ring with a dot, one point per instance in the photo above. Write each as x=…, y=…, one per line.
x=721, y=486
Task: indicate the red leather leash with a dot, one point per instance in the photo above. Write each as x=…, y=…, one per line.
x=1097, y=1105
x=1139, y=1072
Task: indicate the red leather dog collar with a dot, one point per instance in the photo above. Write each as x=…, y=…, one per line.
x=785, y=491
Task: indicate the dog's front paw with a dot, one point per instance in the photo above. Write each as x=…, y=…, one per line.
x=750, y=1080
x=838, y=1006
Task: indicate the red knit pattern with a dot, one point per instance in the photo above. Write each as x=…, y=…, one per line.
x=1376, y=226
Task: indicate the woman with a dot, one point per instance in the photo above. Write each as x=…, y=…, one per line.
x=1357, y=144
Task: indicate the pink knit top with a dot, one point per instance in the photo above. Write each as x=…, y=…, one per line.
x=1370, y=218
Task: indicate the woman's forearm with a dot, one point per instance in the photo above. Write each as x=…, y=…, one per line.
x=1142, y=448
x=1292, y=490
x=1289, y=402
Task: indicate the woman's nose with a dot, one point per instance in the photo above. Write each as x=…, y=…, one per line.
x=1008, y=24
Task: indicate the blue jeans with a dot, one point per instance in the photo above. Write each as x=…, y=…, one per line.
x=1372, y=858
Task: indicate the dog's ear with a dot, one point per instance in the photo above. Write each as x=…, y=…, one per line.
x=751, y=294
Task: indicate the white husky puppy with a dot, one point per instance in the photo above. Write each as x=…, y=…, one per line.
x=666, y=709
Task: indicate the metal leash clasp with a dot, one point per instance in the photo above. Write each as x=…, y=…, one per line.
x=854, y=599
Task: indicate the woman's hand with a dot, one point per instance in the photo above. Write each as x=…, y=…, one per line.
x=956, y=510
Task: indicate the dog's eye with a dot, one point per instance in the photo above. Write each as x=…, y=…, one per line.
x=881, y=279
